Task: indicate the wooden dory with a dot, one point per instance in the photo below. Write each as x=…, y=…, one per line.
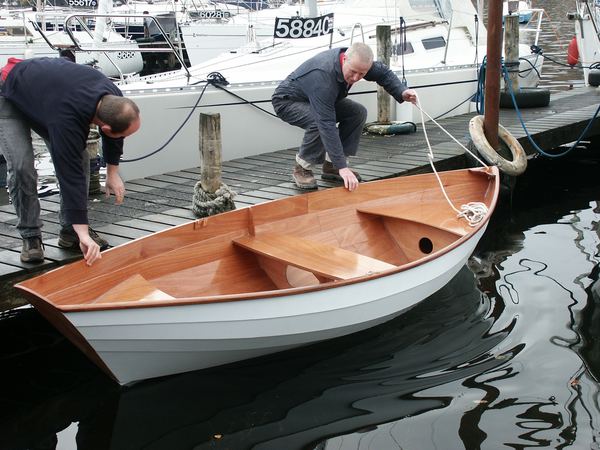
x=266, y=278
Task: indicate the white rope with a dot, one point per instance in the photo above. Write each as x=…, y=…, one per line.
x=472, y=212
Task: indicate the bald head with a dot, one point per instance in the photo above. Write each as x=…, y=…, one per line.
x=360, y=53
x=358, y=60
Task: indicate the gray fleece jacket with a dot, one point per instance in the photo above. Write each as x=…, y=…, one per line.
x=320, y=82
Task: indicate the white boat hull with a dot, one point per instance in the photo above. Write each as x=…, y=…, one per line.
x=138, y=344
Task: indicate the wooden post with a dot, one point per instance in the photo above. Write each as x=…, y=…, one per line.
x=210, y=152
x=384, y=50
x=511, y=50
x=492, y=74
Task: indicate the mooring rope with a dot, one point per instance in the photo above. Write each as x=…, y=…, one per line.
x=472, y=212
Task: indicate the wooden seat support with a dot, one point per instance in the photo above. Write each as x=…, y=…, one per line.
x=433, y=217
x=322, y=259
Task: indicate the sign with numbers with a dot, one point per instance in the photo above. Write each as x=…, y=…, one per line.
x=210, y=14
x=299, y=28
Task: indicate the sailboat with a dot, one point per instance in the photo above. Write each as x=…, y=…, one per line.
x=585, y=47
x=435, y=48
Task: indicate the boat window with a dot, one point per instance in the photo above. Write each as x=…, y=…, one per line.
x=17, y=31
x=434, y=42
x=408, y=49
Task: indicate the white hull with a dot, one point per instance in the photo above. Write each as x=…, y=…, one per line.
x=151, y=342
x=23, y=41
x=587, y=19
x=445, y=77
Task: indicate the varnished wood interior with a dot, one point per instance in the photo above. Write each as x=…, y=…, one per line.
x=324, y=260
x=303, y=241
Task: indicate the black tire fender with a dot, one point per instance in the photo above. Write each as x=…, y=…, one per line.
x=526, y=98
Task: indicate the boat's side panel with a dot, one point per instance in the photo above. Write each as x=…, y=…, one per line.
x=145, y=343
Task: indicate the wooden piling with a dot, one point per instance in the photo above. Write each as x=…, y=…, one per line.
x=492, y=74
x=384, y=51
x=511, y=50
x=210, y=152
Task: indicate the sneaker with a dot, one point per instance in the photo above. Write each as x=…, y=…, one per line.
x=304, y=178
x=33, y=250
x=329, y=172
x=67, y=238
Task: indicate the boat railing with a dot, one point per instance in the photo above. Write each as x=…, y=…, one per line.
x=536, y=18
x=362, y=32
x=75, y=45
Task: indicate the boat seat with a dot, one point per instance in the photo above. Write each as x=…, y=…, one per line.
x=322, y=259
x=430, y=216
x=134, y=288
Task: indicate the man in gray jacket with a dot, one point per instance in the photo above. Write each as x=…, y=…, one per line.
x=314, y=98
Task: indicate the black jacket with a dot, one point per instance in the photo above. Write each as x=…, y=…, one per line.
x=59, y=99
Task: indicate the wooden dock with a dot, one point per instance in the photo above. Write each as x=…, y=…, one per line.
x=159, y=202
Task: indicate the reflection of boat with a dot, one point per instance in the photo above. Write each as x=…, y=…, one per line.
x=310, y=394
x=266, y=278
x=434, y=47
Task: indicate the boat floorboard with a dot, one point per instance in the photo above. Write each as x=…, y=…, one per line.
x=161, y=201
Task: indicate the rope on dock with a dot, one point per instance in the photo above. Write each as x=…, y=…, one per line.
x=206, y=204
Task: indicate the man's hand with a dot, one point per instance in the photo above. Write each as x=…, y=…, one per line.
x=350, y=181
x=114, y=184
x=410, y=95
x=89, y=248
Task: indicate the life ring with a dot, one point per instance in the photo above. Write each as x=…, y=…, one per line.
x=519, y=160
x=573, y=52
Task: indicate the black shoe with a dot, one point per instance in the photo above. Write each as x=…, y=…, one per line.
x=67, y=238
x=329, y=172
x=33, y=250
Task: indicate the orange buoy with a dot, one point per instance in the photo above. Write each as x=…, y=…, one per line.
x=573, y=52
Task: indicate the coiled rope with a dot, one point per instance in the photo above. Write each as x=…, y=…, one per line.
x=472, y=212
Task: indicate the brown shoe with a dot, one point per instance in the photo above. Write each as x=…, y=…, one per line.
x=304, y=178
x=329, y=172
x=33, y=250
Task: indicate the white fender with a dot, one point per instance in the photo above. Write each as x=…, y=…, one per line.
x=519, y=160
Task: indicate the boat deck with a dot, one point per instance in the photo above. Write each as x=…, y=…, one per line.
x=161, y=201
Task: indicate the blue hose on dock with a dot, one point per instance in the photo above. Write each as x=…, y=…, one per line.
x=533, y=143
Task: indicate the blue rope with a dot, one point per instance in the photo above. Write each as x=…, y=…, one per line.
x=533, y=143
x=479, y=99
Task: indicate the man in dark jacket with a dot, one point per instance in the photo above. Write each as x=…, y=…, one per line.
x=60, y=100
x=314, y=98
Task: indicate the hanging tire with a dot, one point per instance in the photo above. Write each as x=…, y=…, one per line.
x=526, y=98
x=519, y=160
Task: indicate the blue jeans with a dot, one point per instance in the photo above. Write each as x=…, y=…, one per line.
x=350, y=115
x=17, y=148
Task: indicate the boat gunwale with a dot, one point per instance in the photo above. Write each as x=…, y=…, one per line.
x=259, y=295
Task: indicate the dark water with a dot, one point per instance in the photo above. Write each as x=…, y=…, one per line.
x=507, y=355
